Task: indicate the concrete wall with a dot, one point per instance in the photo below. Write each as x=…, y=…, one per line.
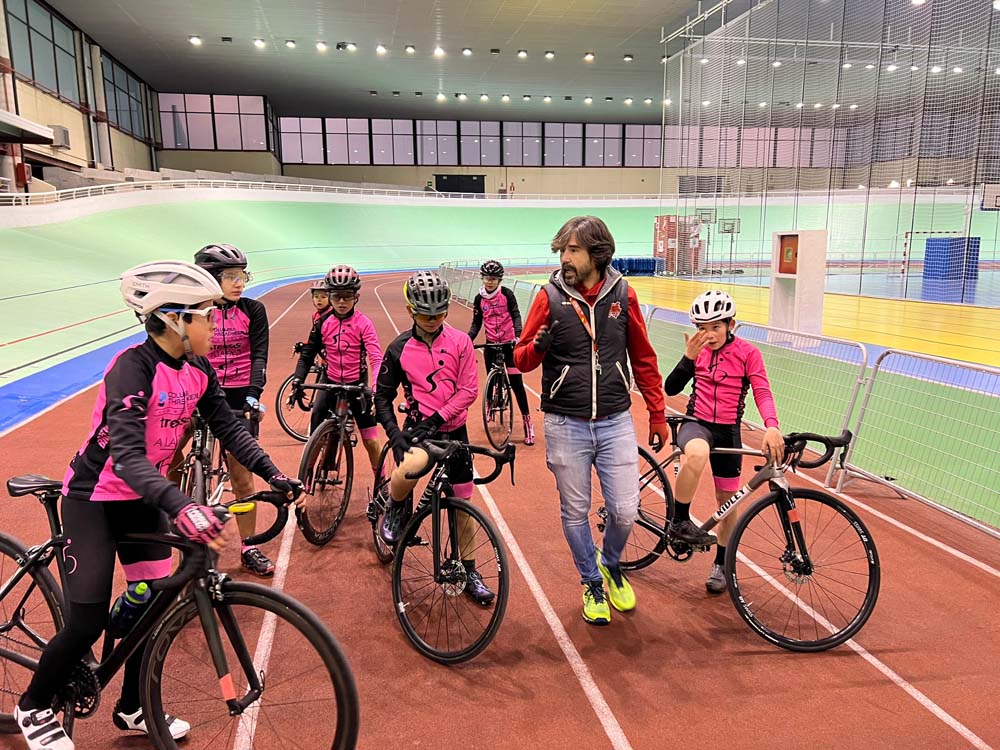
x=256, y=162
x=46, y=109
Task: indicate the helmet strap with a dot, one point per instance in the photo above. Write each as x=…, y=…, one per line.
x=177, y=326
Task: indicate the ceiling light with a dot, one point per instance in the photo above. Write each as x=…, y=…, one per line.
x=667, y=102
x=467, y=51
x=321, y=46
x=195, y=40
x=836, y=106
x=226, y=39
x=380, y=49
x=351, y=47
x=818, y=105
x=703, y=61
x=936, y=69
x=568, y=98
x=373, y=93
x=439, y=51
x=996, y=4
x=762, y=104
x=609, y=98
x=410, y=49
x=996, y=71
x=706, y=102
x=776, y=64
x=549, y=55
x=628, y=101
x=909, y=183
x=259, y=43
x=800, y=105
x=290, y=43
x=526, y=97
x=647, y=100
x=914, y=68
x=589, y=57
x=395, y=93
x=494, y=51
x=854, y=106
x=918, y=2
x=869, y=66
x=461, y=97
x=956, y=69
x=741, y=61
x=894, y=184
x=949, y=181
x=546, y=98
x=484, y=97
x=505, y=98
x=860, y=186
x=522, y=53
x=418, y=93
x=588, y=99
x=892, y=68
x=847, y=66
x=440, y=97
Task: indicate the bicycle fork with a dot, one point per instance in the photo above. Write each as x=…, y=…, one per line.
x=206, y=613
x=800, y=563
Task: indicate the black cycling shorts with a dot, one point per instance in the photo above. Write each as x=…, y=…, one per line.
x=94, y=531
x=717, y=436
x=460, y=464
x=237, y=400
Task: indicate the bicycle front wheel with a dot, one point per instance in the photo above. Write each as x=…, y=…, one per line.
x=327, y=475
x=438, y=613
x=30, y=614
x=804, y=578
x=294, y=414
x=308, y=697
x=498, y=410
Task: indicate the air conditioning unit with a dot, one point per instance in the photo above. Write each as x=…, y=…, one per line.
x=60, y=136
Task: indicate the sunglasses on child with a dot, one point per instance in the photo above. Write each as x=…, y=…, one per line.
x=202, y=312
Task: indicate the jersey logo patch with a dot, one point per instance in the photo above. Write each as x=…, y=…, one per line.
x=161, y=400
x=616, y=310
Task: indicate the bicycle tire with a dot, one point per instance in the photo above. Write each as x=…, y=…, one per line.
x=282, y=607
x=497, y=405
x=11, y=550
x=408, y=542
x=647, y=541
x=295, y=420
x=376, y=509
x=193, y=483
x=319, y=528
x=741, y=587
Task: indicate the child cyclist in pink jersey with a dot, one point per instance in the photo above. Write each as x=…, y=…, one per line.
x=116, y=483
x=436, y=366
x=353, y=353
x=724, y=367
x=495, y=306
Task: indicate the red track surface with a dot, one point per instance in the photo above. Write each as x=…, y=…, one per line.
x=682, y=670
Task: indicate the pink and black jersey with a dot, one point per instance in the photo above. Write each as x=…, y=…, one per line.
x=239, y=345
x=143, y=407
x=440, y=378
x=722, y=378
x=499, y=313
x=352, y=348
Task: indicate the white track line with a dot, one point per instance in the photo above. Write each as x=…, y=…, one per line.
x=597, y=702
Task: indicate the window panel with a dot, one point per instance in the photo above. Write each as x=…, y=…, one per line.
x=197, y=102
x=291, y=148
x=226, y=104
x=532, y=150
x=39, y=19
x=336, y=125
x=43, y=61
x=612, y=152
x=489, y=150
x=356, y=125
x=573, y=152
x=134, y=88
x=171, y=102
x=227, y=132
x=17, y=8
x=62, y=35
x=402, y=149
x=381, y=126
x=512, y=128
x=120, y=76
x=124, y=111
x=254, y=129
x=633, y=131
x=199, y=131
x=312, y=148
x=471, y=155
x=426, y=127
x=447, y=127
x=336, y=148
x=66, y=68
x=381, y=145
x=652, y=131
x=531, y=128
x=573, y=130
x=310, y=125
x=594, y=151
x=167, y=132
x=650, y=152
x=138, y=120
x=358, y=147
x=427, y=150
x=633, y=150
x=552, y=153
x=553, y=129
x=490, y=127
x=469, y=127
x=594, y=131
x=447, y=148
x=251, y=105
x=111, y=103
x=21, y=51
x=512, y=150
x=403, y=127
x=612, y=131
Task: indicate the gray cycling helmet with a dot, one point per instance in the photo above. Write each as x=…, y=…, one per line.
x=427, y=293
x=215, y=258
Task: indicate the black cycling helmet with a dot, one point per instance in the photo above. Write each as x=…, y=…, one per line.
x=427, y=293
x=343, y=279
x=215, y=258
x=492, y=268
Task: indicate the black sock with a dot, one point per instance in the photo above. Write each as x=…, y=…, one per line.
x=720, y=555
x=682, y=511
x=470, y=565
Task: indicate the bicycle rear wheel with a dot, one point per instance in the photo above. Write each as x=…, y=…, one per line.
x=377, y=503
x=498, y=410
x=656, y=503
x=308, y=694
x=439, y=616
x=799, y=605
x=30, y=614
x=327, y=474
x=294, y=414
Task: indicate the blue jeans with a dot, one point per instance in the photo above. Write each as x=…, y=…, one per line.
x=572, y=447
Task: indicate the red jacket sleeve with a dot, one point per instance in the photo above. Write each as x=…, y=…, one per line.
x=525, y=357
x=643, y=358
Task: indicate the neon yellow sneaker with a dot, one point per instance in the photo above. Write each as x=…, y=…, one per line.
x=619, y=589
x=595, y=606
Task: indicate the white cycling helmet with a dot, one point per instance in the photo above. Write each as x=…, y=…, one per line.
x=712, y=306
x=149, y=286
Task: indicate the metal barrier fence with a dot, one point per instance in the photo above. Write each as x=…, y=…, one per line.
x=929, y=428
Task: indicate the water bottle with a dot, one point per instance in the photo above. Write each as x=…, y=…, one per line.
x=128, y=608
